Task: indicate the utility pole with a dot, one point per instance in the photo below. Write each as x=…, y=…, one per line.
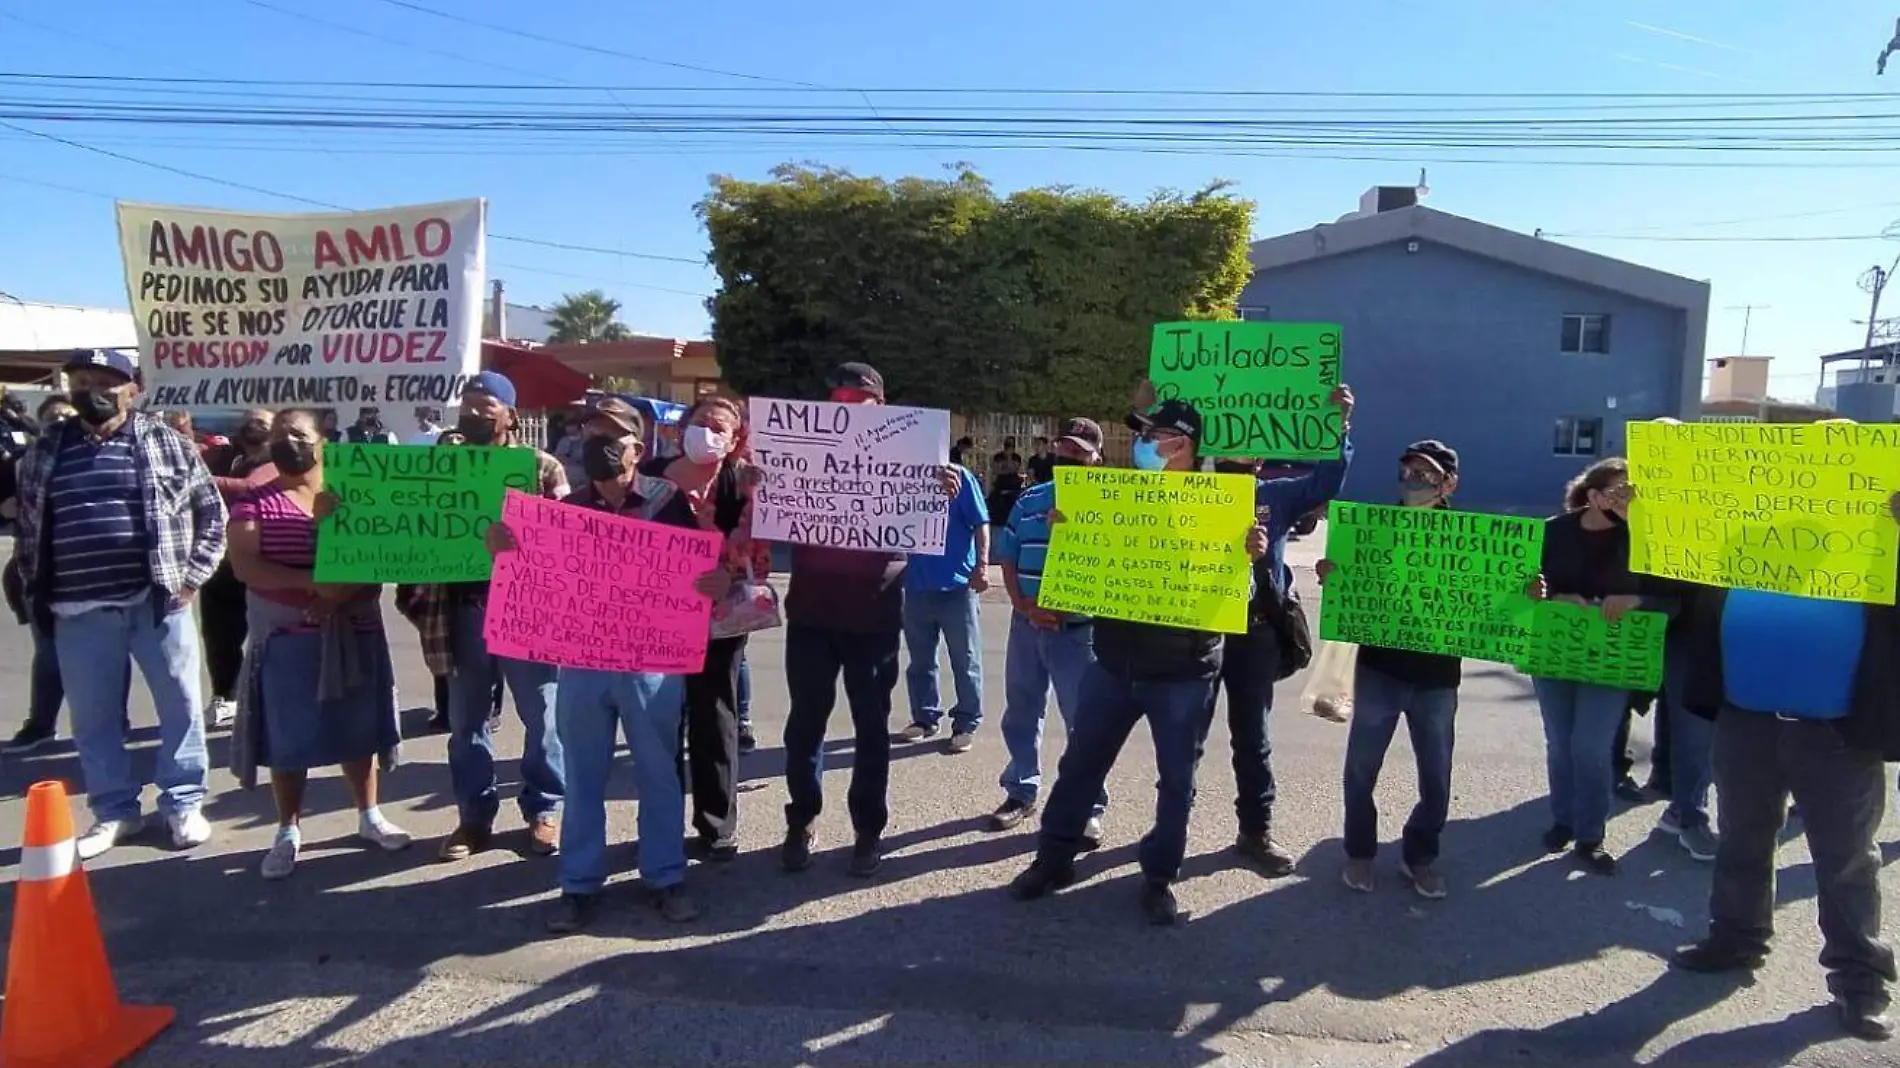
x=1748, y=314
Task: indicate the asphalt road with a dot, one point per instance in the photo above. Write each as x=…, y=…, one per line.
x=369, y=959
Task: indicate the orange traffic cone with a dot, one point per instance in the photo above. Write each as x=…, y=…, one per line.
x=62, y=1008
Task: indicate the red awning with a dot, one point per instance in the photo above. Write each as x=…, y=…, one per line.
x=541, y=381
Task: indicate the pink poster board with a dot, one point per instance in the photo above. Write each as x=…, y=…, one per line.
x=585, y=589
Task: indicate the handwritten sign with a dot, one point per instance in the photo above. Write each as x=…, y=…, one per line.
x=850, y=476
x=1263, y=389
x=585, y=589
x=1162, y=547
x=414, y=515
x=1430, y=580
x=1797, y=508
x=340, y=310
x=1577, y=644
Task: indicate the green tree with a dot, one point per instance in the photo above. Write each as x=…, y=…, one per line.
x=1042, y=302
x=588, y=316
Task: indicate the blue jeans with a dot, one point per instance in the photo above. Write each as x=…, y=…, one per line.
x=1378, y=702
x=1178, y=712
x=472, y=745
x=589, y=708
x=745, y=691
x=1580, y=722
x=953, y=614
x=47, y=692
x=93, y=649
x=1691, y=739
x=1037, y=659
x=815, y=659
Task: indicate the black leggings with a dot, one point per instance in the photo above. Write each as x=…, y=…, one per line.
x=222, y=623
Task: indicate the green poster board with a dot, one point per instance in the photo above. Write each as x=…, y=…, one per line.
x=413, y=513
x=1575, y=643
x=1264, y=389
x=1430, y=580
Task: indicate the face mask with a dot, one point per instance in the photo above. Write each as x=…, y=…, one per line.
x=1148, y=455
x=1416, y=492
x=252, y=435
x=703, y=445
x=96, y=406
x=603, y=459
x=478, y=429
x=293, y=457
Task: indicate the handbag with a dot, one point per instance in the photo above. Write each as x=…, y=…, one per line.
x=1292, y=633
x=751, y=605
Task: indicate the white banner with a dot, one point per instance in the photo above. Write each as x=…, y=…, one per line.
x=850, y=476
x=331, y=311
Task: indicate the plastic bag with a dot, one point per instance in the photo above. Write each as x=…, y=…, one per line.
x=1328, y=692
x=752, y=605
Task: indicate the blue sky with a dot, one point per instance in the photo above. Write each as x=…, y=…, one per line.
x=58, y=244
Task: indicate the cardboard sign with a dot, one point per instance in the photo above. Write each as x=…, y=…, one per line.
x=331, y=311
x=414, y=515
x=1577, y=644
x=850, y=476
x=1430, y=580
x=1263, y=389
x=1786, y=508
x=1151, y=546
x=585, y=589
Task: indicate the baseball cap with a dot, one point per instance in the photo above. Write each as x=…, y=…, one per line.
x=1439, y=453
x=620, y=414
x=1084, y=432
x=103, y=359
x=495, y=384
x=856, y=376
x=1175, y=415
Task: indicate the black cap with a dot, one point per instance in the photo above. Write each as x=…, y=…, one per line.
x=856, y=376
x=1176, y=415
x=1439, y=453
x=619, y=413
x=1084, y=432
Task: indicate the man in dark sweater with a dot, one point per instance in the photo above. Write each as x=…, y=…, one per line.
x=1421, y=687
x=1165, y=675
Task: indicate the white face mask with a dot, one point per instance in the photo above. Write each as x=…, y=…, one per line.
x=703, y=445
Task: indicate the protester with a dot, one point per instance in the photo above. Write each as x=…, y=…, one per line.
x=319, y=689
x=573, y=434
x=428, y=427
x=713, y=475
x=1586, y=562
x=44, y=694
x=844, y=612
x=450, y=620
x=1805, y=697
x=1006, y=480
x=368, y=429
x=1045, y=649
x=942, y=594
x=1041, y=467
x=1421, y=687
x=747, y=740
x=960, y=452
x=237, y=468
x=647, y=706
x=127, y=595
x=326, y=419
x=1165, y=675
x=17, y=431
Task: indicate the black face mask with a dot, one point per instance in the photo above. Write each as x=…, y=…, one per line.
x=97, y=406
x=1236, y=467
x=252, y=435
x=479, y=430
x=603, y=459
x=293, y=457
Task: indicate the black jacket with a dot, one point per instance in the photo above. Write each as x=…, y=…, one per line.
x=1148, y=652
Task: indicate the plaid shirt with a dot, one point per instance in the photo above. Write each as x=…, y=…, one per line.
x=184, y=513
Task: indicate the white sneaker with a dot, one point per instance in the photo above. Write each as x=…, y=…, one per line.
x=189, y=829
x=105, y=834
x=282, y=858
x=376, y=829
x=222, y=714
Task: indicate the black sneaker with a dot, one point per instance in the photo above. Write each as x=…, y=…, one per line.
x=866, y=858
x=1265, y=854
x=747, y=742
x=1864, y=1017
x=1594, y=859
x=1627, y=789
x=795, y=854
x=439, y=722
x=1710, y=956
x=1557, y=839
x=1092, y=834
x=1010, y=815
x=29, y=738
x=1659, y=786
x=572, y=912
x=1041, y=879
x=716, y=850
x=1157, y=900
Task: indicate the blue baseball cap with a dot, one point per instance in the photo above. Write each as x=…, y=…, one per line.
x=495, y=384
x=103, y=359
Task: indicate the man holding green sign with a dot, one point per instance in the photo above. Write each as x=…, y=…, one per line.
x=1264, y=390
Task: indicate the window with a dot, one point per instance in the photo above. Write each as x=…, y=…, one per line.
x=1577, y=436
x=1254, y=313
x=1586, y=333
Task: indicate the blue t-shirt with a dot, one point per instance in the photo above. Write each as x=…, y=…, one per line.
x=1790, y=655
x=950, y=570
x=1023, y=542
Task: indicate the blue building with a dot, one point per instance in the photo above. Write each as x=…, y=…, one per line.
x=1525, y=355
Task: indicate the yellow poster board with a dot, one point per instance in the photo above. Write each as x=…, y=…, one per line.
x=1151, y=547
x=1800, y=509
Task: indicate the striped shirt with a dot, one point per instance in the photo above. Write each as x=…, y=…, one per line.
x=1023, y=542
x=98, y=545
x=286, y=535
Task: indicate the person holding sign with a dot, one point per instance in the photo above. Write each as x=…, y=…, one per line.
x=590, y=705
x=942, y=593
x=1165, y=675
x=318, y=688
x=1805, y=694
